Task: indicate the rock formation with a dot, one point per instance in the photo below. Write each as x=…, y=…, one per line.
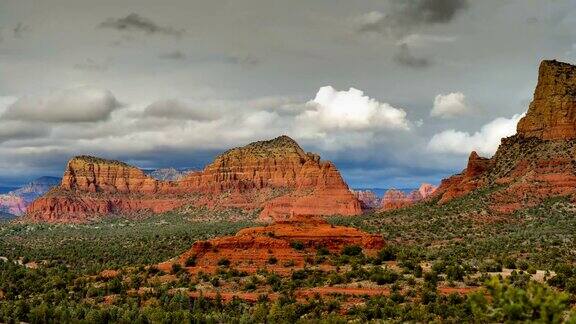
x=552, y=113
x=275, y=175
x=367, y=198
x=536, y=163
x=285, y=241
x=395, y=198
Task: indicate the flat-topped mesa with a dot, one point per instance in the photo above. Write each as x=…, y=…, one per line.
x=92, y=174
x=552, y=113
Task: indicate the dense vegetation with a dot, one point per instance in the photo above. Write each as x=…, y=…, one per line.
x=452, y=263
x=466, y=229
x=117, y=242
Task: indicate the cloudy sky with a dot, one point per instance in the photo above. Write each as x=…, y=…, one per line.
x=395, y=92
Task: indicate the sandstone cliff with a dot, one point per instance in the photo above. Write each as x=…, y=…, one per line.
x=539, y=161
x=275, y=175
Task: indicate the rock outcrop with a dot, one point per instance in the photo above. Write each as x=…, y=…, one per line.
x=539, y=161
x=288, y=241
x=275, y=175
x=394, y=198
x=367, y=198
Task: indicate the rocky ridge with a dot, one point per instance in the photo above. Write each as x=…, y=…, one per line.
x=276, y=175
x=540, y=160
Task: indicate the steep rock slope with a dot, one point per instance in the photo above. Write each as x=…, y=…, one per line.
x=539, y=161
x=276, y=175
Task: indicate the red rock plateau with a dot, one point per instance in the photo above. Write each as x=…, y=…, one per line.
x=275, y=175
x=253, y=248
x=394, y=198
x=539, y=161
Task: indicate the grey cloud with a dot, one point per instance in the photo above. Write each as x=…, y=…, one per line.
x=177, y=110
x=92, y=65
x=136, y=22
x=20, y=30
x=430, y=11
x=175, y=55
x=16, y=130
x=241, y=60
x=404, y=15
x=405, y=57
x=82, y=104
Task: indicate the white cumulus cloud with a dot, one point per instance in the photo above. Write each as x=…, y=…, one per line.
x=83, y=104
x=450, y=105
x=351, y=110
x=485, y=141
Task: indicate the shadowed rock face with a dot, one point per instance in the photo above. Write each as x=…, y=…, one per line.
x=539, y=161
x=275, y=175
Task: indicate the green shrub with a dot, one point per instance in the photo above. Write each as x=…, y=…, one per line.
x=352, y=250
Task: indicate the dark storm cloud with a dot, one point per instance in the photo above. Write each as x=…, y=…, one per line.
x=406, y=14
x=136, y=22
x=405, y=57
x=430, y=11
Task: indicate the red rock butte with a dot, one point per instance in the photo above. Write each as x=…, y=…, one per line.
x=275, y=175
x=538, y=162
x=253, y=248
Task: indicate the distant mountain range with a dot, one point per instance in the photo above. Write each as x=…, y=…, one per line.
x=379, y=192
x=168, y=174
x=4, y=190
x=15, y=202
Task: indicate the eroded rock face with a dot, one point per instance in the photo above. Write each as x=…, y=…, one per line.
x=252, y=248
x=539, y=161
x=552, y=113
x=275, y=175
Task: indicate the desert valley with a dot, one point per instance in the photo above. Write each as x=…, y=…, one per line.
x=269, y=232
x=252, y=161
